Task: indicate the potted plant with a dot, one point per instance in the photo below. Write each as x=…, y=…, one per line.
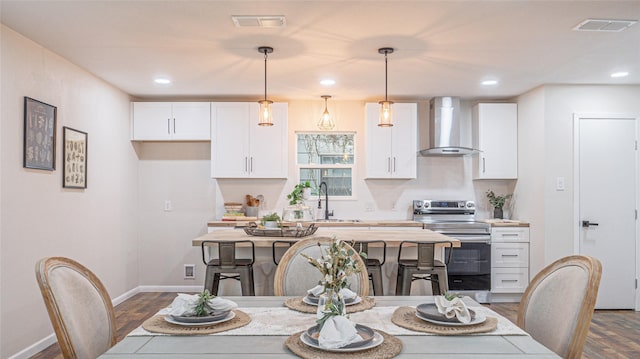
x=271, y=220
x=497, y=201
x=300, y=191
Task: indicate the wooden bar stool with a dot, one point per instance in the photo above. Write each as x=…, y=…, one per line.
x=227, y=263
x=374, y=265
x=426, y=267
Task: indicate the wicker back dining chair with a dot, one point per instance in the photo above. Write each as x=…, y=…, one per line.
x=79, y=307
x=294, y=275
x=557, y=307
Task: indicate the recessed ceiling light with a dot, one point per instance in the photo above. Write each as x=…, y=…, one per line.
x=619, y=74
x=489, y=82
x=328, y=82
x=162, y=81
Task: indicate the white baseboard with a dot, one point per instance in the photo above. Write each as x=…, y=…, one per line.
x=45, y=342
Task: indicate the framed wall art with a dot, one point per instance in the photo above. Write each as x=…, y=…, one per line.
x=39, y=150
x=74, y=172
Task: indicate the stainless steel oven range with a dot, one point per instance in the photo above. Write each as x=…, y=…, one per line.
x=469, y=270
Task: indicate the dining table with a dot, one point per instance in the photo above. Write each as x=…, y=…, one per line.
x=272, y=324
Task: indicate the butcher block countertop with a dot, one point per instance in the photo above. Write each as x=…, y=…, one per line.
x=391, y=237
x=346, y=223
x=506, y=223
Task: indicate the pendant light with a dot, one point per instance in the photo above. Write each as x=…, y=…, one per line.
x=326, y=123
x=385, y=106
x=266, y=117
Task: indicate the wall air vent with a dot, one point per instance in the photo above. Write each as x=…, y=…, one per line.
x=604, y=25
x=259, y=20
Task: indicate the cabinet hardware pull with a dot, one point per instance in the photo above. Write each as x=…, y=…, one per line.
x=587, y=224
x=394, y=165
x=509, y=280
x=389, y=164
x=174, y=125
x=245, y=164
x=483, y=166
x=168, y=126
x=509, y=255
x=510, y=234
x=251, y=164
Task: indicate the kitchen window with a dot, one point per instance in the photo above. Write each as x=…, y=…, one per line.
x=327, y=157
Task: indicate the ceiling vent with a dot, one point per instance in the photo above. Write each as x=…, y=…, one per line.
x=604, y=25
x=259, y=20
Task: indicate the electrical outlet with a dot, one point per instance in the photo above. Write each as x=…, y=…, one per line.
x=168, y=207
x=369, y=207
x=394, y=206
x=189, y=271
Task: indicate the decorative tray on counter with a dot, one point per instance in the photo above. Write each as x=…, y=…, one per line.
x=298, y=232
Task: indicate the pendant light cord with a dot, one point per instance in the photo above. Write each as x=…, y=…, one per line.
x=265, y=74
x=385, y=76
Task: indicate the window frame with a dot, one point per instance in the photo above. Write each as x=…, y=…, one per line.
x=353, y=166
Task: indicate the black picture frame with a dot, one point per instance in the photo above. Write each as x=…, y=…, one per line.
x=74, y=158
x=39, y=145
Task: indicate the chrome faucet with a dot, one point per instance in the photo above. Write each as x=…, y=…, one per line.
x=326, y=200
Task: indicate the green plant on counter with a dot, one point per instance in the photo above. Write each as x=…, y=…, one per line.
x=272, y=217
x=296, y=195
x=497, y=201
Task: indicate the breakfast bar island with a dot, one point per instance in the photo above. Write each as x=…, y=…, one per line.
x=392, y=233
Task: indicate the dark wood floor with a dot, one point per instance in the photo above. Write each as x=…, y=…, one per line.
x=613, y=333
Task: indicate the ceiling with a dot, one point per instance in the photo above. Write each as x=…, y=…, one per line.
x=441, y=47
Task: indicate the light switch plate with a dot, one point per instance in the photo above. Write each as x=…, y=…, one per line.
x=560, y=184
x=168, y=206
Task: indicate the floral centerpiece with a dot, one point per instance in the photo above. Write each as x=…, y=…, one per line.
x=336, y=264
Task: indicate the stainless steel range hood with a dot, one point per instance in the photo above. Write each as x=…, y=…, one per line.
x=444, y=128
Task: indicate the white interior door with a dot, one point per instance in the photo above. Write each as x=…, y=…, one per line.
x=607, y=194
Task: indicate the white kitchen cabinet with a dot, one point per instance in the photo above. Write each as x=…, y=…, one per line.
x=495, y=134
x=240, y=148
x=391, y=151
x=509, y=259
x=171, y=121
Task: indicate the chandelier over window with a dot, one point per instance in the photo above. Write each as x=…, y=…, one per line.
x=386, y=115
x=266, y=117
x=326, y=123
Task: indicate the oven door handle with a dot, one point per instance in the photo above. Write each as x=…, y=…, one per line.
x=473, y=239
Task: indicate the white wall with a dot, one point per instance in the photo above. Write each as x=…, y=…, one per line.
x=96, y=226
x=561, y=102
x=529, y=190
x=546, y=117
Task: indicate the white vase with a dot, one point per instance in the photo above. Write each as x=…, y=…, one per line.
x=306, y=193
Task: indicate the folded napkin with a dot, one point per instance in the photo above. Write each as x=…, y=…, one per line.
x=345, y=292
x=184, y=305
x=337, y=332
x=453, y=308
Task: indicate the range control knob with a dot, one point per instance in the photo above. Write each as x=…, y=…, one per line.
x=470, y=204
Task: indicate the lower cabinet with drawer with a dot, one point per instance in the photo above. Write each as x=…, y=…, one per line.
x=509, y=260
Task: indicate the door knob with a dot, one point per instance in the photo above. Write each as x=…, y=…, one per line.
x=587, y=224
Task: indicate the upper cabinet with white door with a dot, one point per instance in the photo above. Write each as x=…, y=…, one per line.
x=240, y=148
x=171, y=121
x=391, y=151
x=495, y=134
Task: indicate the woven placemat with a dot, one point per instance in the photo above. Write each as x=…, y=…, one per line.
x=299, y=305
x=406, y=317
x=391, y=347
x=157, y=324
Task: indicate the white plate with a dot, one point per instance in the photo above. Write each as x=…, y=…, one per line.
x=310, y=302
x=225, y=319
x=377, y=340
x=479, y=318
